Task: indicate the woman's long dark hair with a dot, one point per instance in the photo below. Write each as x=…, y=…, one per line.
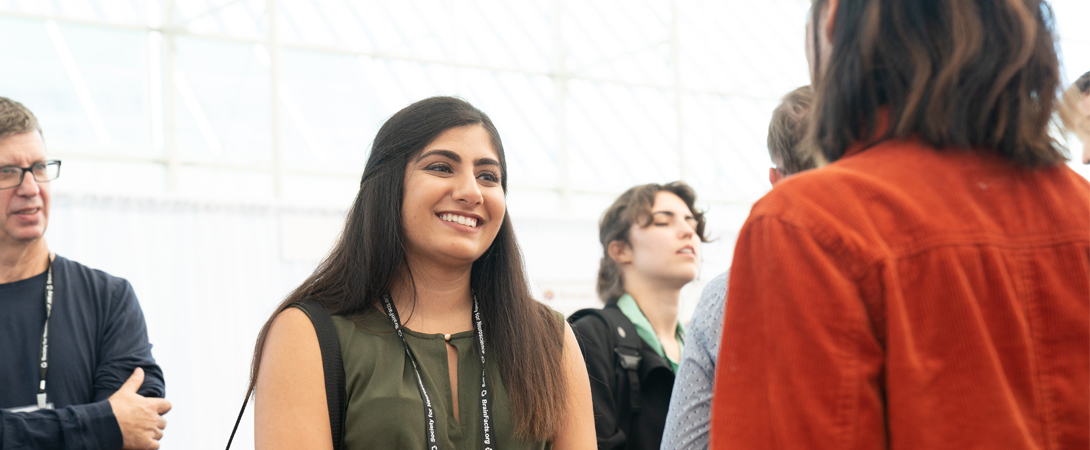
x=522, y=334
x=956, y=73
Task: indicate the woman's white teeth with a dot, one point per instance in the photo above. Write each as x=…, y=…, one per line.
x=467, y=221
x=685, y=250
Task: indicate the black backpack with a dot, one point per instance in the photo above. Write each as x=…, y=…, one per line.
x=626, y=349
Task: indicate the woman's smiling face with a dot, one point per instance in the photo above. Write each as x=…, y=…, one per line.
x=453, y=203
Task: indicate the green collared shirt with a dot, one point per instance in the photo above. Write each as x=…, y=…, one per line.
x=628, y=306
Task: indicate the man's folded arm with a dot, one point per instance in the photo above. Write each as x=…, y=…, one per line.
x=125, y=346
x=80, y=427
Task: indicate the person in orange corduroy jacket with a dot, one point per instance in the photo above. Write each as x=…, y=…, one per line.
x=930, y=287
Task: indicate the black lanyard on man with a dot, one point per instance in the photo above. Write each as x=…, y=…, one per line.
x=43, y=357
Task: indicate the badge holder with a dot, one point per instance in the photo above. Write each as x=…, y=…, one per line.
x=42, y=404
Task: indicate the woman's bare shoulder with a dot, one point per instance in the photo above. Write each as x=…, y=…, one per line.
x=290, y=408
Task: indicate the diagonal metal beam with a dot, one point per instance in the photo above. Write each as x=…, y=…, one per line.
x=189, y=98
x=78, y=84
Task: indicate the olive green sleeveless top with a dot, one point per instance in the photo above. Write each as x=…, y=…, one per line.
x=384, y=409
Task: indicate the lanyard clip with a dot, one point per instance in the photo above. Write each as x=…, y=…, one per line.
x=41, y=401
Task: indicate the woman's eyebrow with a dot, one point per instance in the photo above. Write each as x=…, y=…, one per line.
x=444, y=153
x=457, y=158
x=486, y=162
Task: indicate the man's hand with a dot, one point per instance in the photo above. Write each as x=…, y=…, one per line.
x=141, y=418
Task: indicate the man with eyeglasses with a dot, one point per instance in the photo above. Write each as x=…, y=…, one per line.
x=76, y=370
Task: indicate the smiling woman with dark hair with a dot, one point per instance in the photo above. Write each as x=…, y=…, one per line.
x=930, y=287
x=431, y=307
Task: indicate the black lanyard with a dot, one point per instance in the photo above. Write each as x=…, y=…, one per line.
x=487, y=442
x=43, y=357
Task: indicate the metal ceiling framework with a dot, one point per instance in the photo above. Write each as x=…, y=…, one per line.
x=172, y=94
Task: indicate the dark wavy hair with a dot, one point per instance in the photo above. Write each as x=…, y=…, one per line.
x=634, y=207
x=979, y=74
x=524, y=336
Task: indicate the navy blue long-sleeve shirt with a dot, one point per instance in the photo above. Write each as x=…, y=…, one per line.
x=97, y=337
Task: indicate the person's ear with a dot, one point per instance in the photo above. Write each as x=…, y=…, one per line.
x=620, y=252
x=830, y=18
x=774, y=175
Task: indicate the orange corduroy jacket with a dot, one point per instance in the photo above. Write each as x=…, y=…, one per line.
x=908, y=298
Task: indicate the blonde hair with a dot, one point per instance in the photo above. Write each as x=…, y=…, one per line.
x=16, y=118
x=787, y=130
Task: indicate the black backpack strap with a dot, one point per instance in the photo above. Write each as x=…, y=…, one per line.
x=626, y=348
x=332, y=367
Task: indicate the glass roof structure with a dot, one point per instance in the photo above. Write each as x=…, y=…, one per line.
x=589, y=96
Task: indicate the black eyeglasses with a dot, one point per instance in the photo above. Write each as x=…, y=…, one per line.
x=43, y=172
